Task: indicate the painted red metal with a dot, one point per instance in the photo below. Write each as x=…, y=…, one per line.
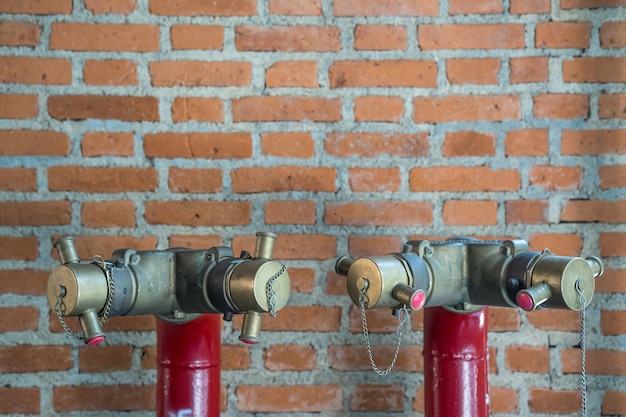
x=456, y=365
x=188, y=367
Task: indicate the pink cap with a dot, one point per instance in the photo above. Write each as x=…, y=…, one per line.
x=525, y=301
x=418, y=299
x=95, y=341
x=249, y=342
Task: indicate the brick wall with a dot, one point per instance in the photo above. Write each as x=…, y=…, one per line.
x=344, y=126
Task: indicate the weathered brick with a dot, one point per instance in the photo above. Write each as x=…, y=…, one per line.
x=593, y=142
x=296, y=7
x=18, y=179
x=378, y=109
x=290, y=358
x=354, y=357
x=612, y=244
x=545, y=400
x=18, y=106
x=503, y=319
x=288, y=38
x=81, y=107
x=561, y=106
x=33, y=142
x=214, y=145
x=203, y=8
x=598, y=361
x=470, y=36
x=288, y=144
x=459, y=178
x=530, y=6
x=614, y=402
x=531, y=69
x=466, y=108
x=295, y=246
x=373, y=144
x=201, y=109
x=560, y=244
x=612, y=106
x=198, y=213
x=474, y=7
x=283, y=178
x=286, y=109
x=612, y=176
x=195, y=241
x=105, y=358
x=613, y=322
x=289, y=212
x=380, y=37
x=562, y=34
x=32, y=70
x=19, y=319
x=24, y=281
x=302, y=280
x=468, y=143
x=374, y=179
x=25, y=359
x=594, y=211
x=35, y=213
x=22, y=400
x=526, y=142
x=19, y=33
x=292, y=74
x=484, y=70
x=556, y=178
x=361, y=246
x=595, y=70
x=377, y=398
x=195, y=180
x=385, y=8
x=200, y=73
x=95, y=144
x=104, y=397
x=291, y=398
x=613, y=34
x=526, y=211
x=111, y=6
x=101, y=179
x=235, y=357
x=197, y=37
x=110, y=72
x=383, y=73
x=470, y=212
x=72, y=36
x=19, y=248
x=613, y=280
x=591, y=4
x=503, y=400
x=528, y=358
x=36, y=7
x=379, y=213
x=108, y=214
x=301, y=319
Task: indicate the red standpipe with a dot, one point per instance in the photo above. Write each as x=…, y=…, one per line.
x=456, y=365
x=188, y=367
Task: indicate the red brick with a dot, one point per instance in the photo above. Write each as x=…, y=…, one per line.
x=31, y=70
x=503, y=400
x=526, y=211
x=101, y=179
x=108, y=214
x=19, y=248
x=289, y=212
x=559, y=320
x=23, y=281
x=204, y=8
x=593, y=142
x=483, y=70
x=595, y=70
x=111, y=6
x=90, y=245
x=468, y=143
x=470, y=212
x=475, y=7
x=556, y=178
x=531, y=69
x=18, y=106
x=296, y=7
x=377, y=398
x=544, y=400
x=470, y=36
x=235, y=357
x=562, y=34
x=503, y=319
x=95, y=144
x=354, y=357
x=380, y=37
x=198, y=213
x=385, y=8
x=613, y=281
x=559, y=244
x=200, y=73
x=201, y=109
x=81, y=107
x=195, y=180
x=457, y=178
x=110, y=72
x=594, y=211
x=301, y=319
x=36, y=6
x=207, y=145
x=598, y=361
x=195, y=241
x=286, y=109
x=382, y=321
x=378, y=109
x=335, y=284
x=612, y=106
x=197, y=37
x=591, y=4
x=290, y=358
x=19, y=400
x=302, y=280
x=288, y=144
x=466, y=108
x=291, y=398
x=148, y=357
x=18, y=179
x=614, y=402
x=33, y=142
x=528, y=358
x=283, y=178
x=374, y=179
x=379, y=213
x=530, y=6
x=613, y=34
x=292, y=74
x=35, y=213
x=72, y=36
x=26, y=359
x=104, y=397
x=526, y=142
x=19, y=33
x=613, y=322
x=288, y=38
x=561, y=106
x=383, y=73
x=98, y=359
x=362, y=246
x=19, y=319
x=373, y=144
x=612, y=176
x=612, y=244
x=295, y=246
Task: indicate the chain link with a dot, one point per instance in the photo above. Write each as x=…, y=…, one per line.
x=403, y=318
x=583, y=348
x=271, y=294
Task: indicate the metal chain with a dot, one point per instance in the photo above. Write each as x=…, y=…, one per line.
x=59, y=309
x=403, y=318
x=583, y=348
x=271, y=294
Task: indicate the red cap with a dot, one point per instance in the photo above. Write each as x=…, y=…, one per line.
x=525, y=301
x=95, y=341
x=418, y=299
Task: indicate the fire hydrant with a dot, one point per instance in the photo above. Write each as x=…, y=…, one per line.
x=459, y=278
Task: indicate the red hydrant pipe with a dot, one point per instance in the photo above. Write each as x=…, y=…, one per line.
x=456, y=365
x=188, y=367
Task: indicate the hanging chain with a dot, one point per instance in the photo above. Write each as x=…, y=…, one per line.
x=59, y=310
x=583, y=348
x=403, y=318
x=271, y=294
